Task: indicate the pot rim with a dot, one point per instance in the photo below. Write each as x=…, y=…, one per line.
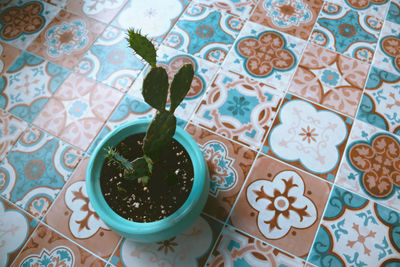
x=114, y=220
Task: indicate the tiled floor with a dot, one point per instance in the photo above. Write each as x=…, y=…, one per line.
x=295, y=105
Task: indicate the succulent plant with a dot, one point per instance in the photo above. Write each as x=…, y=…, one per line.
x=155, y=93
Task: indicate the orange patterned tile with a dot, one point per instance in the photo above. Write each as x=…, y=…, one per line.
x=73, y=216
x=281, y=205
x=228, y=163
x=66, y=39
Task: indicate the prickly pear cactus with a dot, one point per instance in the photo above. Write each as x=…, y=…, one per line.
x=155, y=92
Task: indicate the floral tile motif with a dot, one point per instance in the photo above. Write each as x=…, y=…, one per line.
x=103, y=11
x=370, y=167
x=22, y=21
x=205, y=32
x=388, y=52
x=376, y=8
x=10, y=130
x=47, y=246
x=330, y=79
x=393, y=14
x=228, y=164
x=111, y=61
x=295, y=17
x=177, y=251
x=66, y=39
x=309, y=137
x=356, y=232
x=73, y=216
x=34, y=171
x=16, y=227
x=172, y=61
x=238, y=108
x=347, y=32
x=235, y=248
x=281, y=205
x=78, y=110
x=155, y=18
x=380, y=103
x=28, y=84
x=242, y=8
x=8, y=54
x=265, y=55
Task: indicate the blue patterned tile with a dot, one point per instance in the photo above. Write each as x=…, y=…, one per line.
x=265, y=54
x=28, y=84
x=388, y=53
x=204, y=32
x=111, y=61
x=393, y=14
x=35, y=170
x=376, y=8
x=21, y=21
x=242, y=8
x=356, y=232
x=346, y=31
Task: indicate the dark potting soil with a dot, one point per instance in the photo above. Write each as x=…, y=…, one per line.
x=158, y=199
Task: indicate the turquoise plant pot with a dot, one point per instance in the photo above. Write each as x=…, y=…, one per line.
x=157, y=230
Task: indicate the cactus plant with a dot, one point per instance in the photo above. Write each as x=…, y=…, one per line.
x=155, y=93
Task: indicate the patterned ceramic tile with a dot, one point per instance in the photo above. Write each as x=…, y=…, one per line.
x=28, y=84
x=34, y=171
x=154, y=18
x=370, y=167
x=72, y=215
x=172, y=61
x=281, y=205
x=58, y=3
x=296, y=17
x=265, y=55
x=388, y=52
x=15, y=228
x=10, y=130
x=228, y=164
x=356, y=232
x=22, y=21
x=235, y=248
x=309, y=137
x=205, y=32
x=47, y=247
x=238, y=108
x=177, y=251
x=341, y=29
x=330, y=79
x=66, y=39
x=380, y=104
x=376, y=8
x=242, y=8
x=111, y=61
x=393, y=14
x=8, y=54
x=104, y=10
x=78, y=110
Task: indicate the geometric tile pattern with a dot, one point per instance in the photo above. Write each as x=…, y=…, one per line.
x=380, y=104
x=295, y=106
x=22, y=21
x=110, y=61
x=330, y=79
x=346, y=31
x=28, y=84
x=293, y=17
x=356, y=231
x=77, y=110
x=265, y=55
x=205, y=32
x=35, y=170
x=281, y=205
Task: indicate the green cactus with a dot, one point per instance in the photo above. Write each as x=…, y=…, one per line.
x=162, y=128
